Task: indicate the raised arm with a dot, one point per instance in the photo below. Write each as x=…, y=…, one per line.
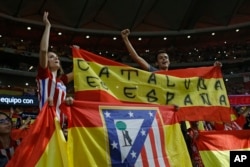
x=70, y=75
x=139, y=60
x=44, y=45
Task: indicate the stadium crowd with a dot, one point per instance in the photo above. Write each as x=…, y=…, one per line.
x=235, y=54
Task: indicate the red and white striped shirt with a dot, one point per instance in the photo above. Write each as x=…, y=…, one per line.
x=49, y=86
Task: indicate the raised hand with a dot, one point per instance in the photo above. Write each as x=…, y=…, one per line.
x=125, y=33
x=69, y=100
x=218, y=63
x=45, y=19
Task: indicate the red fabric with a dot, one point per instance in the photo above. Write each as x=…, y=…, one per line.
x=31, y=148
x=223, y=140
x=237, y=100
x=211, y=113
x=241, y=120
x=19, y=133
x=204, y=72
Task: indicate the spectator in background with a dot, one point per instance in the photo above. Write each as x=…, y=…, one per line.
x=245, y=112
x=193, y=133
x=7, y=143
x=50, y=78
x=240, y=122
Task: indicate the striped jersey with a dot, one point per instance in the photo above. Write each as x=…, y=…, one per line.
x=49, y=86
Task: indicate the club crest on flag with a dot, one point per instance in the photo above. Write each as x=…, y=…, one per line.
x=132, y=134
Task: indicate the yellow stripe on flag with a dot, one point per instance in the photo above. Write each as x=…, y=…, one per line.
x=176, y=146
x=215, y=158
x=55, y=153
x=88, y=146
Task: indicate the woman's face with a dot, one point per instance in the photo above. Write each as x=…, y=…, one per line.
x=54, y=62
x=5, y=124
x=163, y=61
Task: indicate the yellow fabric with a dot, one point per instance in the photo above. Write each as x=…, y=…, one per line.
x=56, y=150
x=217, y=158
x=134, y=85
x=176, y=147
x=95, y=144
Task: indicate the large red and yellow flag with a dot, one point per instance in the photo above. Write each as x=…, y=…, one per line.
x=112, y=134
x=199, y=93
x=44, y=144
x=215, y=146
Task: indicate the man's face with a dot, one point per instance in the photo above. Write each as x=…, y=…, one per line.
x=163, y=61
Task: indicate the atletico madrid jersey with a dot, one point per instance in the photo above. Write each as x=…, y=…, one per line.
x=49, y=86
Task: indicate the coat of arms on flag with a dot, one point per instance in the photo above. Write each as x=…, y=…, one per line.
x=134, y=135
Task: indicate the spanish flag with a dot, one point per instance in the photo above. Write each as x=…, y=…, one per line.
x=199, y=93
x=110, y=134
x=44, y=144
x=215, y=146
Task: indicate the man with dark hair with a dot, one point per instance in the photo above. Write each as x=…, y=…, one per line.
x=162, y=58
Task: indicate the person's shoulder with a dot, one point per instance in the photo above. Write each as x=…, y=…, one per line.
x=42, y=72
x=152, y=69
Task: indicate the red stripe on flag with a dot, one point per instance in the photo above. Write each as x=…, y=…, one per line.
x=88, y=56
x=223, y=140
x=153, y=147
x=204, y=72
x=86, y=110
x=144, y=158
x=164, y=116
x=239, y=100
x=210, y=113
